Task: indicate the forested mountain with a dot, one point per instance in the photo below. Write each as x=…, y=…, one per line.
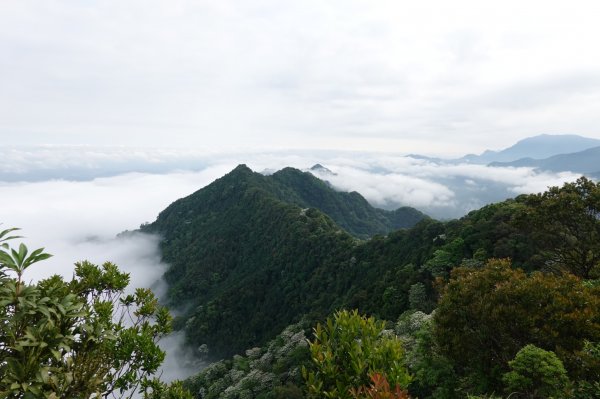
x=438, y=314
x=250, y=255
x=349, y=210
x=248, y=259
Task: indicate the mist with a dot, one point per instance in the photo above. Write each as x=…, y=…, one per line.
x=77, y=221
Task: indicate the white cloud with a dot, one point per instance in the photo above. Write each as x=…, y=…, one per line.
x=389, y=189
x=385, y=180
x=80, y=220
x=77, y=221
x=437, y=189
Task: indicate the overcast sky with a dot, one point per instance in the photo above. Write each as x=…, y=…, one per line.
x=428, y=76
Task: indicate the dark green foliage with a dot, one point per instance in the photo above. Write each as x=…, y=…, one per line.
x=288, y=391
x=589, y=389
x=250, y=263
x=433, y=373
x=250, y=255
x=565, y=223
x=349, y=210
x=417, y=298
x=486, y=316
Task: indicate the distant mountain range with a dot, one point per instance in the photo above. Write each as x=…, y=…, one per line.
x=536, y=147
x=585, y=162
x=552, y=153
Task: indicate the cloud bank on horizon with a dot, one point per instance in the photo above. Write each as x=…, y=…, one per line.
x=104, y=191
x=430, y=76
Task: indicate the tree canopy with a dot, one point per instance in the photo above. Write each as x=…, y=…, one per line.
x=485, y=316
x=80, y=338
x=565, y=224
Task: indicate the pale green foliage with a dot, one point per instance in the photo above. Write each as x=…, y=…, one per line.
x=271, y=372
x=76, y=339
x=347, y=350
x=158, y=390
x=536, y=374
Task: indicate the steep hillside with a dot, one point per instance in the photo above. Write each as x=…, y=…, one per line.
x=245, y=263
x=349, y=210
x=487, y=311
x=250, y=256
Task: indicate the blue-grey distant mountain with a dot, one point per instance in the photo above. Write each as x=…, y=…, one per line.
x=536, y=147
x=585, y=162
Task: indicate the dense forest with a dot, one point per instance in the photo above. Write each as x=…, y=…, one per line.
x=278, y=287
x=251, y=261
x=250, y=254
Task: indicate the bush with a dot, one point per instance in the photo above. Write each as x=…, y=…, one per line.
x=537, y=374
x=347, y=350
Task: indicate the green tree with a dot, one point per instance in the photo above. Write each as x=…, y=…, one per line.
x=80, y=338
x=536, y=374
x=433, y=376
x=589, y=389
x=440, y=263
x=417, y=298
x=348, y=350
x=485, y=316
x=565, y=222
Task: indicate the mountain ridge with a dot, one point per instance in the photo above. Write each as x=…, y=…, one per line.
x=247, y=257
x=536, y=147
x=585, y=162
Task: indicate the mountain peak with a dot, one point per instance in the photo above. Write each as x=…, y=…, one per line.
x=321, y=169
x=241, y=168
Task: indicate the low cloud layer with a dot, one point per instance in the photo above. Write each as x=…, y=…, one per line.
x=387, y=180
x=77, y=221
x=441, y=190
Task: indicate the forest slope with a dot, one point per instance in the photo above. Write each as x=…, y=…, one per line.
x=251, y=253
x=245, y=263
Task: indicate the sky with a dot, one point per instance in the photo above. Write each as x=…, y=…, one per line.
x=432, y=77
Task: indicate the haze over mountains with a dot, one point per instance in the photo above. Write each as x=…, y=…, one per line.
x=536, y=147
x=437, y=187
x=586, y=162
x=84, y=163
x=549, y=153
